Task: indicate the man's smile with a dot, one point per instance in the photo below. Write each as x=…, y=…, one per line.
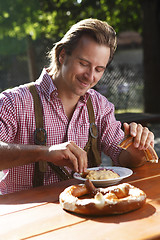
x=83, y=83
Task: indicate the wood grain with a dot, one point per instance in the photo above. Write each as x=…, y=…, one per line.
x=37, y=214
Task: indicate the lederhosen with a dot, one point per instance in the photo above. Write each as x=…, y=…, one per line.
x=40, y=137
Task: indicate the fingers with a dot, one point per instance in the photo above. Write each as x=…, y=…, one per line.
x=126, y=129
x=69, y=154
x=80, y=157
x=142, y=139
x=142, y=136
x=130, y=129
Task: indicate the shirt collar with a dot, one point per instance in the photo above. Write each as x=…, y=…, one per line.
x=47, y=86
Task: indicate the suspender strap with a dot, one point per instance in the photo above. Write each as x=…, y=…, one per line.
x=40, y=138
x=91, y=146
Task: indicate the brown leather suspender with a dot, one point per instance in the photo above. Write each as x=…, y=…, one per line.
x=40, y=138
x=91, y=146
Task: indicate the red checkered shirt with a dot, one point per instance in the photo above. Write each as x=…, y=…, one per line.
x=17, y=125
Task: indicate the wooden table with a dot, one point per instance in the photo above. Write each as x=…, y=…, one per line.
x=37, y=214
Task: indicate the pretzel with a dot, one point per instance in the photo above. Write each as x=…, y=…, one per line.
x=117, y=199
x=150, y=153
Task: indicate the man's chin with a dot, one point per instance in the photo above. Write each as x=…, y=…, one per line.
x=81, y=93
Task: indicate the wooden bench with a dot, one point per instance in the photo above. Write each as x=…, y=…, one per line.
x=143, y=118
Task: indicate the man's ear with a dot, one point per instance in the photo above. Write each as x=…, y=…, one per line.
x=61, y=56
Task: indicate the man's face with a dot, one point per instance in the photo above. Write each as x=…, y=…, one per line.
x=84, y=68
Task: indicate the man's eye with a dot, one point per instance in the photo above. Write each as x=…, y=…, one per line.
x=100, y=69
x=83, y=64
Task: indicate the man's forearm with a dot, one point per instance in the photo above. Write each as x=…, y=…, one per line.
x=12, y=155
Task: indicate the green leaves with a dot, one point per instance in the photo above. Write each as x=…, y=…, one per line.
x=52, y=18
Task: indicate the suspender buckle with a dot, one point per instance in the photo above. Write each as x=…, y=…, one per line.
x=40, y=136
x=93, y=130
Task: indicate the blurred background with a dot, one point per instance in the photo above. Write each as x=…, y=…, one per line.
x=28, y=30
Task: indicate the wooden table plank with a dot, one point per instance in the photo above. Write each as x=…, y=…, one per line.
x=50, y=217
x=149, y=186
x=139, y=224
x=10, y=208
x=30, y=198
x=147, y=170
x=37, y=195
x=37, y=220
x=36, y=214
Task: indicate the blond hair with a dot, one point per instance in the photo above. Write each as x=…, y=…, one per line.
x=99, y=30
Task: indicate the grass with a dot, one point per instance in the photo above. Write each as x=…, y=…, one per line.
x=131, y=110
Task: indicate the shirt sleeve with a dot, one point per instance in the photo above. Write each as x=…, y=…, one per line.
x=111, y=135
x=8, y=123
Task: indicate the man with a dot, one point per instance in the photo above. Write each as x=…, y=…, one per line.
x=77, y=63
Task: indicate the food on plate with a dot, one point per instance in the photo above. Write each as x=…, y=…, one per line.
x=150, y=153
x=88, y=200
x=100, y=174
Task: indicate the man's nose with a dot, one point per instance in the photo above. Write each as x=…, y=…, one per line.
x=89, y=74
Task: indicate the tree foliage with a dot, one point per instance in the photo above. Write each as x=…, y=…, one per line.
x=51, y=18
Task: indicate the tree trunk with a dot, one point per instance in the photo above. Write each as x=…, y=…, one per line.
x=33, y=73
x=151, y=46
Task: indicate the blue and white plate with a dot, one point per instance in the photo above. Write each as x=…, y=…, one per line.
x=121, y=171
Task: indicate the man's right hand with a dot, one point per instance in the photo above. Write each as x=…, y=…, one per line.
x=68, y=154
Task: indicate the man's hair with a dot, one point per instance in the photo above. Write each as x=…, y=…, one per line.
x=99, y=30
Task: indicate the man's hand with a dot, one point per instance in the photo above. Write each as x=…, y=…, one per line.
x=68, y=154
x=142, y=136
x=133, y=156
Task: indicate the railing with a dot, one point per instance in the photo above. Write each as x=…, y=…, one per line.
x=123, y=85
